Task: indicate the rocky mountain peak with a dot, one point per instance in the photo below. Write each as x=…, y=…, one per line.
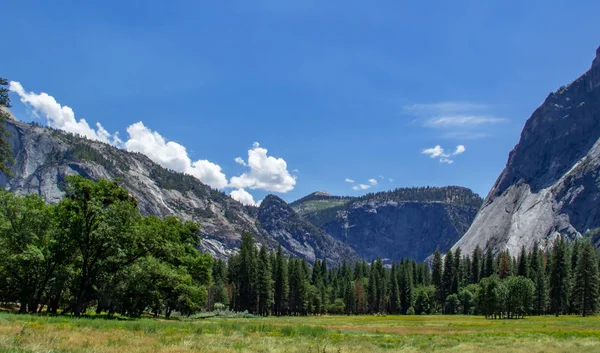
x=596, y=61
x=549, y=186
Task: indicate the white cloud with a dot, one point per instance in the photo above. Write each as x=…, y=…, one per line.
x=373, y=182
x=243, y=197
x=348, y=180
x=61, y=117
x=295, y=171
x=172, y=155
x=463, y=121
x=241, y=161
x=266, y=172
x=438, y=152
x=361, y=187
x=391, y=180
x=434, y=152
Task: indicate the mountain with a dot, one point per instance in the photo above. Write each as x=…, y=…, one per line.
x=44, y=156
x=551, y=183
x=306, y=240
x=406, y=222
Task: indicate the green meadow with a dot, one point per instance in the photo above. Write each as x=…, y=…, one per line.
x=25, y=333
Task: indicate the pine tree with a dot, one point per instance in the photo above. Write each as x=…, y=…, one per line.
x=247, y=277
x=504, y=267
x=395, y=301
x=406, y=290
x=265, y=283
x=489, y=268
x=281, y=284
x=586, y=286
x=523, y=263
x=448, y=275
x=476, y=264
x=436, y=278
x=559, y=277
x=458, y=282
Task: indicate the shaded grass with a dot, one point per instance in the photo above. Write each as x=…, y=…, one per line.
x=25, y=333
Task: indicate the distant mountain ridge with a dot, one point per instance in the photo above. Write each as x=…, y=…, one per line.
x=406, y=222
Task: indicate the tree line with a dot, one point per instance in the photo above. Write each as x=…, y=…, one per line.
x=563, y=280
x=93, y=252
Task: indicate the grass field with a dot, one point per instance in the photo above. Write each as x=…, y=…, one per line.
x=22, y=333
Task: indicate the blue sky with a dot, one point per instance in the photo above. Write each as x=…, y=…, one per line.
x=336, y=89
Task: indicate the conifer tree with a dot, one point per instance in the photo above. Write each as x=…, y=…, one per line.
x=247, y=276
x=504, y=267
x=489, y=268
x=586, y=286
x=559, y=277
x=448, y=275
x=476, y=264
x=265, y=283
x=281, y=283
x=436, y=278
x=523, y=263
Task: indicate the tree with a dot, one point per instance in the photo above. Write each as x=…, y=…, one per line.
x=436, y=278
x=586, y=286
x=265, y=283
x=29, y=250
x=448, y=275
x=523, y=263
x=520, y=295
x=247, y=275
x=489, y=268
x=476, y=265
x=281, y=283
x=504, y=268
x=96, y=221
x=6, y=158
x=559, y=276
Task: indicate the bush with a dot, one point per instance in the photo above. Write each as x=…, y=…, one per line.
x=410, y=311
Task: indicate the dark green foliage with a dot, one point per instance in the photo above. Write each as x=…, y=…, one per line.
x=560, y=277
x=93, y=249
x=453, y=195
x=586, y=284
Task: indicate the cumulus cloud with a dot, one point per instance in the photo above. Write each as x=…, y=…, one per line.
x=348, y=180
x=172, y=155
x=243, y=197
x=361, y=187
x=61, y=117
x=240, y=160
x=373, y=182
x=439, y=153
x=434, y=152
x=266, y=172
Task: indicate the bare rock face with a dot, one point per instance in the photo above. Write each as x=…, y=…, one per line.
x=550, y=185
x=300, y=237
x=44, y=157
